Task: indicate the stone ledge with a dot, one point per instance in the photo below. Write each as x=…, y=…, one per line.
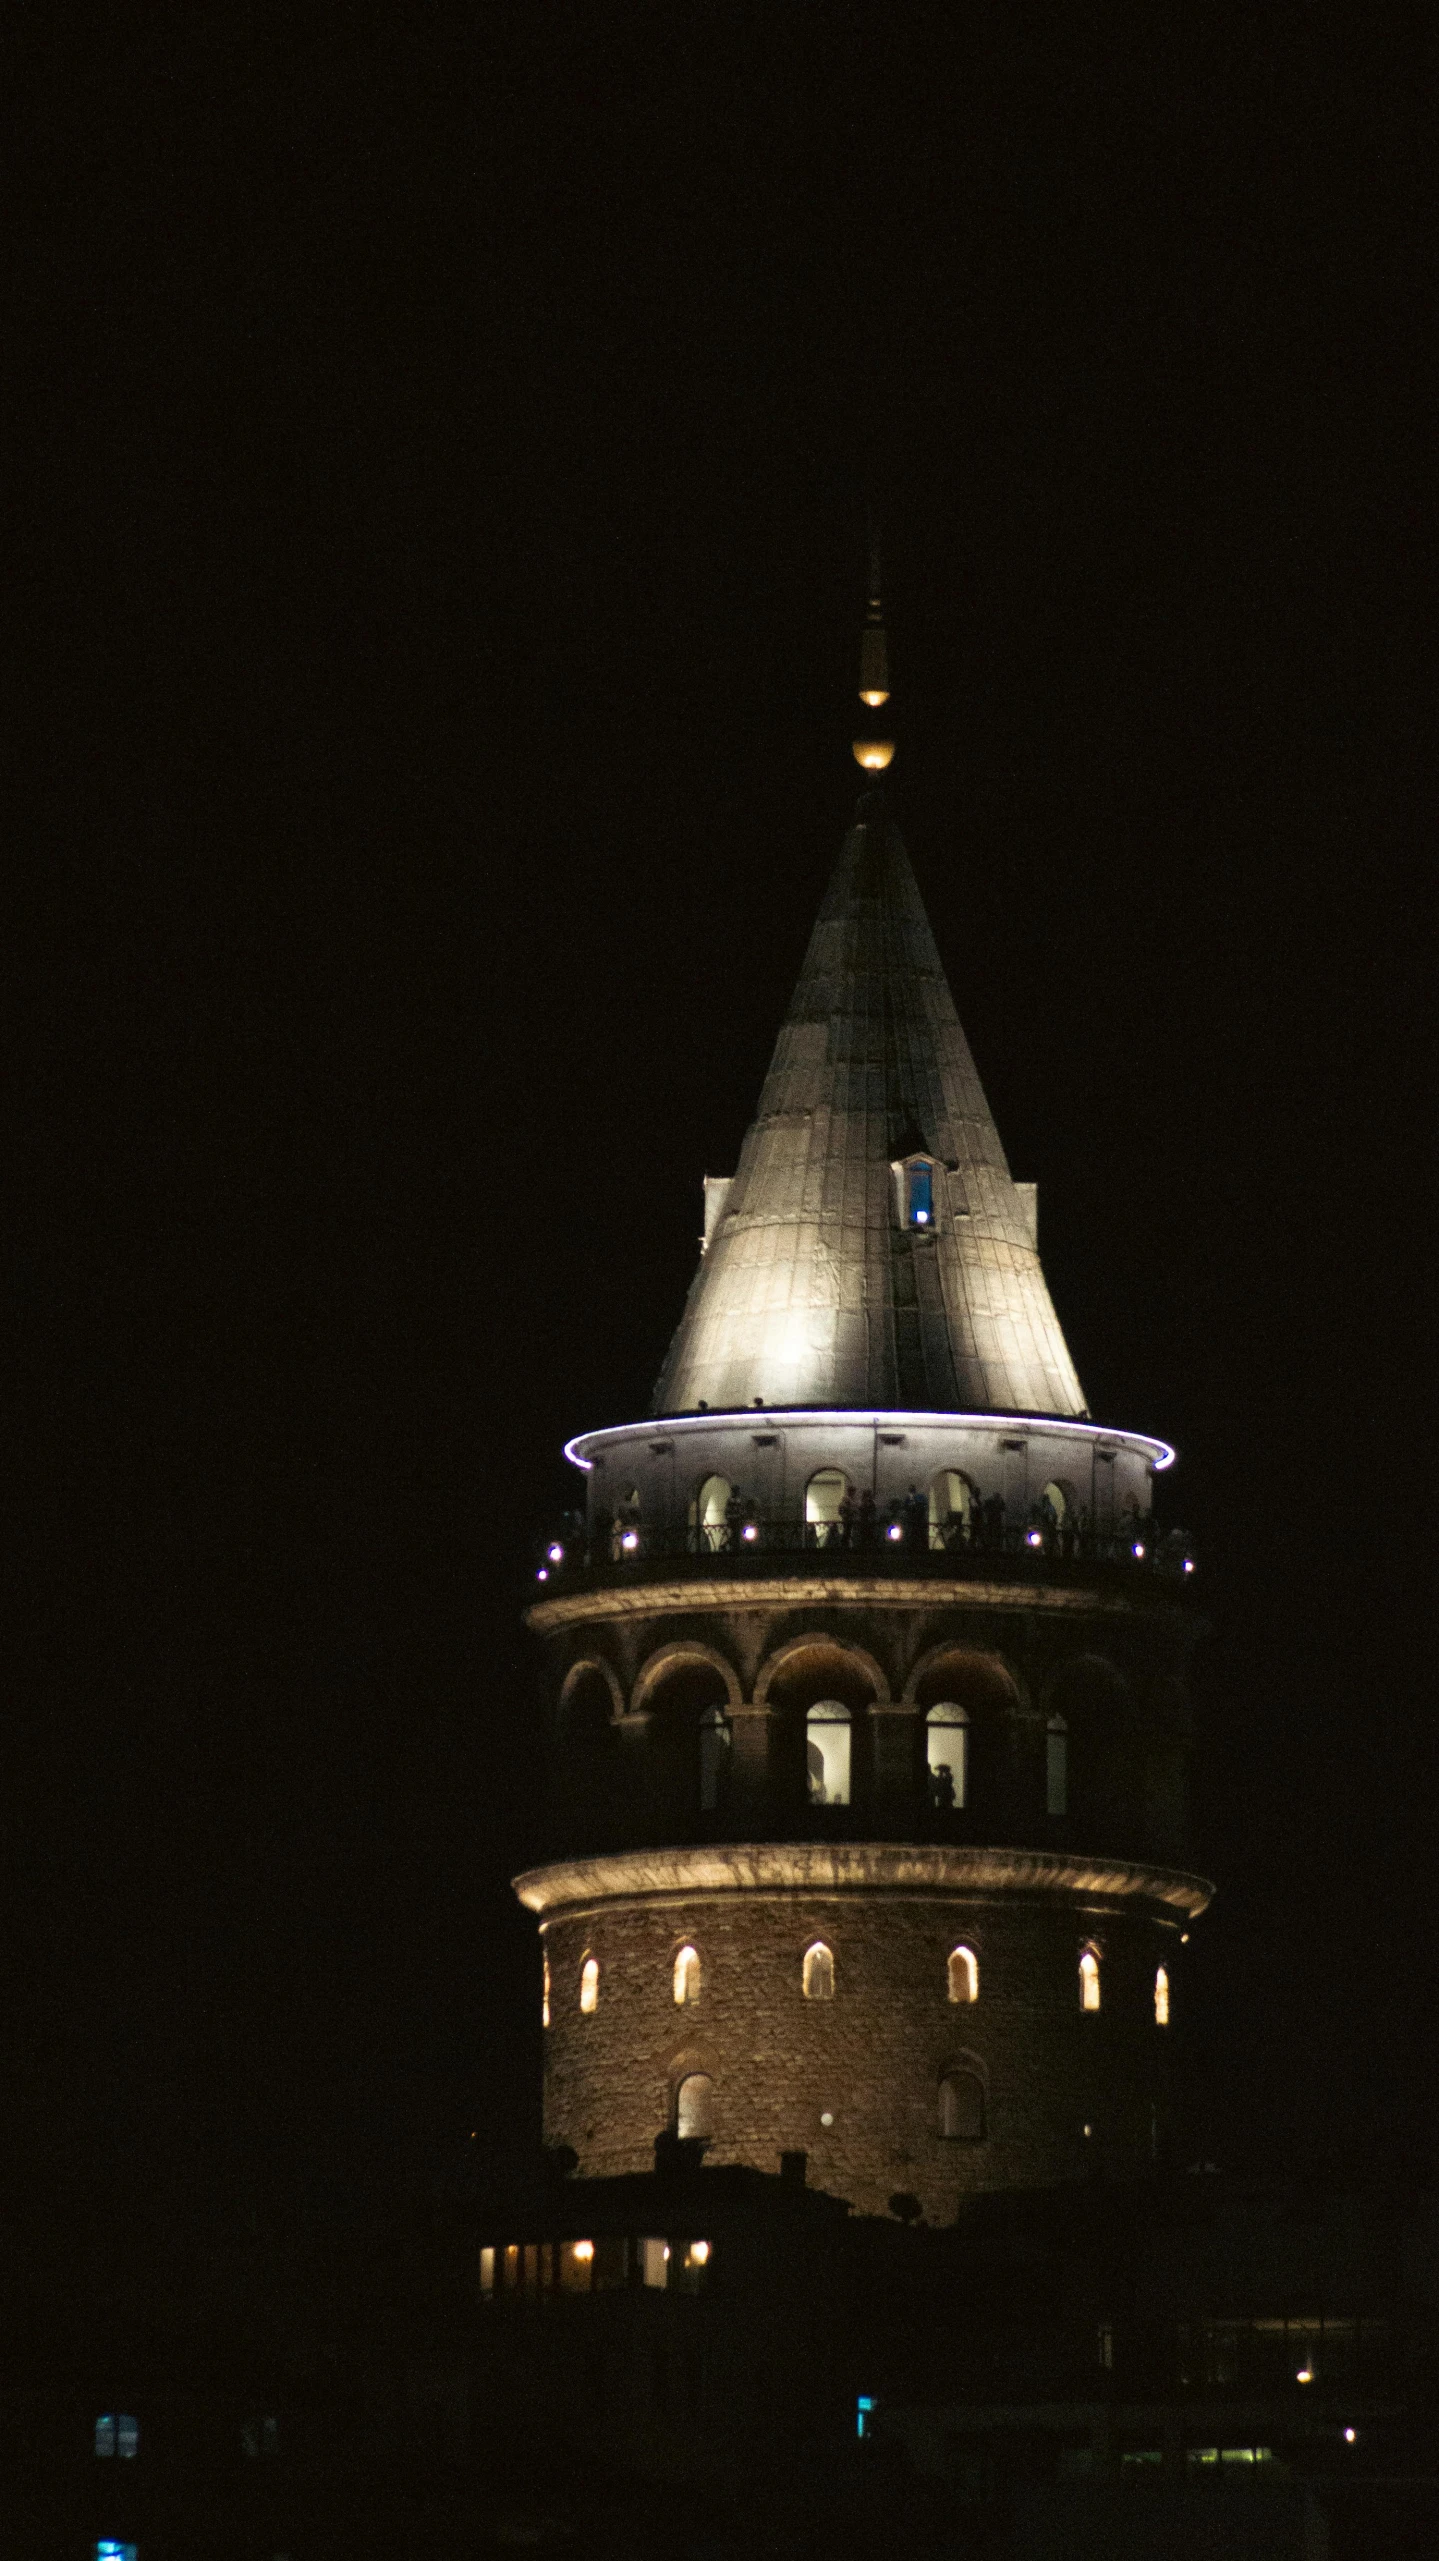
x=855, y=1867
x=818, y=1591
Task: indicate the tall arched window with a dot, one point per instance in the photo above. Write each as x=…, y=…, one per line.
x=695, y=2108
x=1056, y=1766
x=826, y=1753
x=952, y=1499
x=707, y=1514
x=961, y=2107
x=1055, y=1500
x=1161, y=1998
x=946, y=1735
x=1089, y=1980
x=963, y=1975
x=818, y=1974
x=825, y=1514
x=687, y=1976
x=714, y=1757
x=590, y=1985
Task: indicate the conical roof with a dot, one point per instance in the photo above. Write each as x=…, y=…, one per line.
x=813, y=1290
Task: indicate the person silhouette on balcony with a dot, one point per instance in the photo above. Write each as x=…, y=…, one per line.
x=941, y=1789
x=734, y=1513
x=846, y=1518
x=866, y=1521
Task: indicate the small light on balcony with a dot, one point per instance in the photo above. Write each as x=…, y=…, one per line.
x=1139, y=1550
x=1349, y=2435
x=555, y=1553
x=921, y=1218
x=1184, y=1938
x=1305, y=2374
x=699, y=2253
x=584, y=2251
x=1089, y=2129
x=630, y=1541
x=543, y=1574
x=1035, y=1538
x=749, y=1531
x=894, y=1533
x=1189, y=1565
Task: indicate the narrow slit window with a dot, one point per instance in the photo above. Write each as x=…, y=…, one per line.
x=1056, y=1766
x=687, y=1977
x=695, y=2108
x=919, y=1195
x=545, y=1992
x=1161, y=1998
x=963, y=1975
x=818, y=1974
x=590, y=1985
x=1089, y=1980
x=961, y=2108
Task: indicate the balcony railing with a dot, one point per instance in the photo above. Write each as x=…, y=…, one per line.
x=626, y=1550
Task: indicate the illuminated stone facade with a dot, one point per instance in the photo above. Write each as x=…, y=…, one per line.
x=810, y=1658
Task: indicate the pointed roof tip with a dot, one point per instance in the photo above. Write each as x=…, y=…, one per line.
x=814, y=1290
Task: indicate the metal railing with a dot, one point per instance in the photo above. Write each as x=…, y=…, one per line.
x=627, y=1550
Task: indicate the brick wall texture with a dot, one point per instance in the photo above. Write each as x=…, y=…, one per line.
x=873, y=2057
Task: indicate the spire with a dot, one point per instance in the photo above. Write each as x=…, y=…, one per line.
x=873, y=747
x=873, y=1248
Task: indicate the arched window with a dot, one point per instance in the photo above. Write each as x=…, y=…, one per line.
x=545, y=1993
x=961, y=2107
x=919, y=1194
x=707, y=1514
x=946, y=1737
x=714, y=1757
x=818, y=1975
x=952, y=1501
x=590, y=1985
x=826, y=1498
x=1089, y=1980
x=1056, y=1502
x=1056, y=1766
x=963, y=1975
x=1161, y=1998
x=687, y=1977
x=695, y=2108
x=826, y=1751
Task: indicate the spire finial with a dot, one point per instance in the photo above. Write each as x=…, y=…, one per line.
x=871, y=748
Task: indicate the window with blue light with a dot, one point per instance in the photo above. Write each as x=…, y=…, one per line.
x=106, y=2551
x=919, y=1196
x=118, y=2433
x=864, y=2414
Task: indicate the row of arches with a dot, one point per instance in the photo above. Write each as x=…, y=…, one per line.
x=689, y=1741
x=817, y=1979
x=949, y=1513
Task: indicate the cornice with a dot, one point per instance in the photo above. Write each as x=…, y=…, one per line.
x=841, y=1868
x=817, y=1591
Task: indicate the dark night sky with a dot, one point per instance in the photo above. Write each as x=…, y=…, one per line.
x=442, y=445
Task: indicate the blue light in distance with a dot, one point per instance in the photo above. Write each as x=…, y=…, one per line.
x=864, y=2412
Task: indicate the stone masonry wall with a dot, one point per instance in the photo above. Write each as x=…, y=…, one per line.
x=872, y=2058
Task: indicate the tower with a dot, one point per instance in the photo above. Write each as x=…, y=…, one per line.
x=865, y=1667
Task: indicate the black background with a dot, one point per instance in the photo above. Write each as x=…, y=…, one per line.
x=443, y=448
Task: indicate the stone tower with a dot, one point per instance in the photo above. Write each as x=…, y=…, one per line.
x=865, y=1670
